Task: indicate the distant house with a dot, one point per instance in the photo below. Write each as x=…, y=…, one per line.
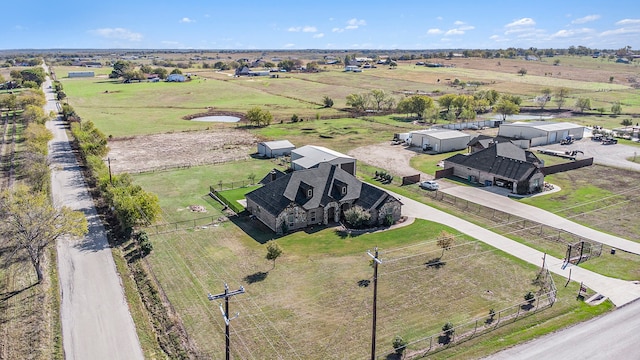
x=531, y=58
x=243, y=71
x=176, y=78
x=310, y=156
x=622, y=60
x=76, y=74
x=439, y=140
x=502, y=164
x=271, y=149
x=318, y=196
x=353, y=68
x=541, y=132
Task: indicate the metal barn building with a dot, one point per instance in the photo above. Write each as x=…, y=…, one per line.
x=271, y=149
x=541, y=132
x=440, y=141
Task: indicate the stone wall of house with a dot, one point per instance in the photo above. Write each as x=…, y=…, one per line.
x=392, y=206
x=262, y=215
x=294, y=216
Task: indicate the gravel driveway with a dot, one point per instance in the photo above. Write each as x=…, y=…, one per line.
x=393, y=158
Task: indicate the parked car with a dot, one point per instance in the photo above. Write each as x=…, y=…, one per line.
x=429, y=185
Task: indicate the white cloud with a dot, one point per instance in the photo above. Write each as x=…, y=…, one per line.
x=318, y=36
x=628, y=22
x=338, y=30
x=355, y=23
x=620, y=31
x=117, y=33
x=494, y=37
x=302, y=29
x=439, y=18
x=454, y=32
x=571, y=33
x=187, y=20
x=586, y=19
x=521, y=23
x=434, y=31
x=288, y=46
x=458, y=23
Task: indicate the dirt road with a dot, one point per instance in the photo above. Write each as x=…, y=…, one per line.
x=96, y=323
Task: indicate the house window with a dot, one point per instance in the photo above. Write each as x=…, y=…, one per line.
x=312, y=215
x=310, y=193
x=290, y=218
x=344, y=190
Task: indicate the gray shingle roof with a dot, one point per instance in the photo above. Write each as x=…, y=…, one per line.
x=325, y=181
x=505, y=160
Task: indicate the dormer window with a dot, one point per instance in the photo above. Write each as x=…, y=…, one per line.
x=309, y=193
x=343, y=190
x=306, y=189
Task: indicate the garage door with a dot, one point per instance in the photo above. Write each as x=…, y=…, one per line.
x=553, y=137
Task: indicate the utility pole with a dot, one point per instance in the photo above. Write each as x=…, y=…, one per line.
x=376, y=262
x=225, y=312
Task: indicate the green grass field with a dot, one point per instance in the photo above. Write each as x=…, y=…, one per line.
x=309, y=305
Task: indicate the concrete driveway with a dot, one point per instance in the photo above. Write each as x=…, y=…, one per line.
x=609, y=155
x=620, y=292
x=503, y=203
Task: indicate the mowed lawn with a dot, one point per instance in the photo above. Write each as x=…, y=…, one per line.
x=310, y=305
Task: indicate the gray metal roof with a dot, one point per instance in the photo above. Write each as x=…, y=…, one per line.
x=442, y=134
x=278, y=144
x=547, y=126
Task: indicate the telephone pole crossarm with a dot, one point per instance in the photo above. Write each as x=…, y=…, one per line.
x=225, y=312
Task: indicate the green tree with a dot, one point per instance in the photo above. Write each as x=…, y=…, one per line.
x=287, y=65
x=33, y=113
x=583, y=104
x=506, y=108
x=34, y=223
x=626, y=122
x=445, y=241
x=8, y=101
x=399, y=345
x=162, y=72
x=273, y=252
x=462, y=102
x=176, y=71
x=616, y=108
x=327, y=102
x=522, y=71
x=35, y=74
x=359, y=102
x=449, y=331
x=530, y=297
x=421, y=104
x=259, y=117
x=561, y=97
x=378, y=96
x=119, y=68
x=446, y=101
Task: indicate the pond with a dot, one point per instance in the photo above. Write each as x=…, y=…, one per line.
x=217, y=118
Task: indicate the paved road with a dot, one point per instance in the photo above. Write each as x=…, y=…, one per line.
x=96, y=322
x=620, y=292
x=599, y=338
x=503, y=203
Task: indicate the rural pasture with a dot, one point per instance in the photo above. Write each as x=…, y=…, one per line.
x=310, y=304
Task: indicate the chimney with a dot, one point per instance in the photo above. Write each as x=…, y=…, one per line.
x=273, y=175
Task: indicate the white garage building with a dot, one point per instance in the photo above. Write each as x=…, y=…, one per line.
x=440, y=140
x=541, y=132
x=272, y=149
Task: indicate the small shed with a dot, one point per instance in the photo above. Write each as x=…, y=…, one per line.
x=271, y=149
x=75, y=74
x=440, y=140
x=541, y=132
x=176, y=78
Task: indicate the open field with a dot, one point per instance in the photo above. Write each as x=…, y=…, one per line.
x=309, y=305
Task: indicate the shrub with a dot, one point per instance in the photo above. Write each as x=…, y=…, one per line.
x=399, y=345
x=530, y=297
x=357, y=217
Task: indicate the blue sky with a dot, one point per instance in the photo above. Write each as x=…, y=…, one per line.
x=329, y=24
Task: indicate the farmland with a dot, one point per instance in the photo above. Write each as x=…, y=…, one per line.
x=309, y=303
